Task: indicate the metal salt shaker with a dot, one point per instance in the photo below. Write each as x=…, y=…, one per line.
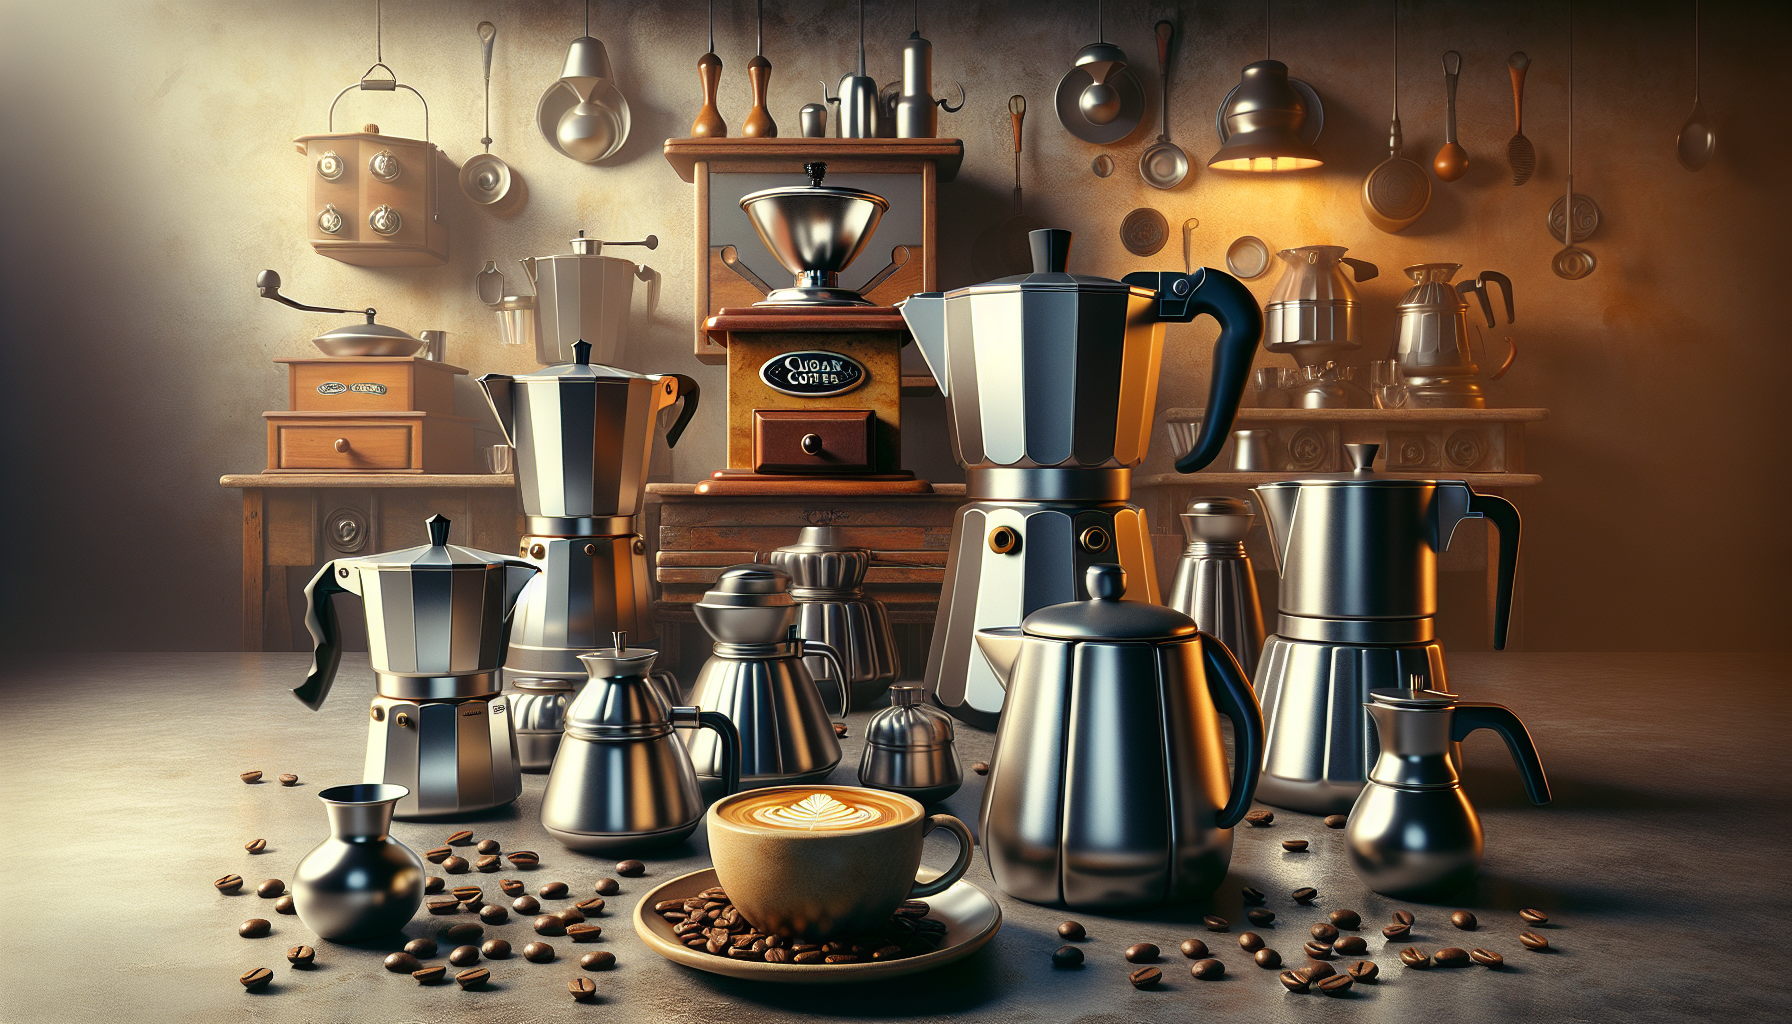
x=909, y=749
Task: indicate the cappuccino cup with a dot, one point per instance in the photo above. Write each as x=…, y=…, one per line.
x=813, y=862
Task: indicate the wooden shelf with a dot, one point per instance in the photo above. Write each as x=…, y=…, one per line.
x=1368, y=415
x=866, y=156
x=1230, y=478
x=367, y=480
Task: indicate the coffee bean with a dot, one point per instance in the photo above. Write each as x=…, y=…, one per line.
x=538, y=952
x=461, y=838
x=1194, y=949
x=430, y=975
x=492, y=913
x=473, y=977
x=1261, y=819
x=488, y=846
x=1250, y=942
x=772, y=956
x=1207, y=970
x=631, y=869
x=289, y=780
x=524, y=859
x=1305, y=894
x=608, y=887
x=301, y=956
x=1267, y=958
x=466, y=893
x=1416, y=958
x=284, y=905
x=437, y=855
x=446, y=905
x=553, y=891
x=422, y=949
x=1146, y=977
x=1464, y=920
x=570, y=915
x=1063, y=956
x=1336, y=985
x=433, y=884
x=270, y=889
x=1293, y=981
x=1324, y=932
x=1451, y=956
x=1532, y=940
x=256, y=845
x=1260, y=916
x=250, y=777
x=1318, y=950
x=1336, y=820
x=512, y=887
x=1294, y=845
x=495, y=949
x=459, y=933
x=257, y=979
x=488, y=863
x=1397, y=932
x=455, y=865
x=1252, y=895
x=229, y=883
x=841, y=958
x=1316, y=970
x=584, y=932
x=525, y=905
x=548, y=924
x=1532, y=916
x=1141, y=953
x=1346, y=919
x=402, y=963
x=1403, y=917
x=840, y=729
x=463, y=956
x=1215, y=923
x=1364, y=971
x=1486, y=957
x=254, y=928
x=815, y=956
x=1351, y=945
x=603, y=959
x=980, y=767
x=582, y=989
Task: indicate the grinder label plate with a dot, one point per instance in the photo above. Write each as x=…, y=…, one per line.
x=812, y=374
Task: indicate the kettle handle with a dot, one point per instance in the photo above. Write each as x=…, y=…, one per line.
x=1181, y=298
x=326, y=652
x=1504, y=516
x=674, y=386
x=804, y=648
x=1365, y=271
x=1233, y=695
x=514, y=581
x=1479, y=290
x=1495, y=277
x=725, y=731
x=1500, y=719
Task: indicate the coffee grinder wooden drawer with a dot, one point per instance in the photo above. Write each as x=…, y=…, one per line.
x=814, y=440
x=413, y=442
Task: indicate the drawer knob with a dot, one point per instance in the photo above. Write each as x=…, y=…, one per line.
x=330, y=221
x=811, y=444
x=330, y=166
x=342, y=444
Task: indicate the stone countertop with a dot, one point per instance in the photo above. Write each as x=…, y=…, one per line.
x=1660, y=865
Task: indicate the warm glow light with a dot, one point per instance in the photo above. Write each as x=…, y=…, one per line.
x=1266, y=163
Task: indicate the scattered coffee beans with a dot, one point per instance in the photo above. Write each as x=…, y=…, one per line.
x=284, y=905
x=254, y=928
x=1464, y=920
x=1403, y=917
x=524, y=859
x=256, y=845
x=603, y=960
x=402, y=963
x=455, y=865
x=488, y=863
x=512, y=886
x=229, y=883
x=1293, y=981
x=584, y=932
x=1364, y=971
x=437, y=855
x=525, y=905
x=1146, y=977
x=1347, y=919
x=1141, y=953
x=1261, y=819
x=553, y=891
x=1351, y=945
x=1215, y=923
x=1324, y=932
x=1336, y=820
x=301, y=956
x=582, y=989
x=430, y=975
x=1072, y=931
x=631, y=869
x=1318, y=950
x=1532, y=940
x=840, y=729
x=1252, y=895
x=1317, y=970
x=446, y=905
x=1305, y=894
x=434, y=884
x=493, y=913
x=1336, y=985
x=1067, y=956
x=1294, y=845
x=548, y=924
x=1207, y=970
x=1250, y=942
x=289, y=780
x=463, y=956
x=1532, y=916
x=1451, y=956
x=459, y=933
x=608, y=887
x=257, y=979
x=471, y=895
x=271, y=889
x=1486, y=957
x=1416, y=958
x=538, y=952
x=473, y=977
x=422, y=949
x=495, y=949
x=1268, y=959
x=488, y=846
x=250, y=777
x=1397, y=932
x=1260, y=916
x=461, y=838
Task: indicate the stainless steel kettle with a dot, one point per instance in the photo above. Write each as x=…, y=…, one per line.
x=622, y=779
x=1433, y=347
x=1312, y=312
x=1108, y=785
x=586, y=296
x=1412, y=833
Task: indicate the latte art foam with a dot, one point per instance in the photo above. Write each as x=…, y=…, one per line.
x=815, y=811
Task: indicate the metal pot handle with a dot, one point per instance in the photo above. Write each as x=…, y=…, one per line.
x=674, y=386
x=1500, y=719
x=956, y=871
x=320, y=620
x=381, y=85
x=806, y=647
x=1233, y=695
x=1504, y=516
x=1181, y=298
x=726, y=731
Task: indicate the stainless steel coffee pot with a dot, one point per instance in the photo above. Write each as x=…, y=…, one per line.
x=1412, y=833
x=827, y=583
x=538, y=708
x=438, y=618
x=1108, y=787
x=1312, y=311
x=756, y=677
x=909, y=749
x=586, y=296
x=1433, y=348
x=1215, y=584
x=622, y=779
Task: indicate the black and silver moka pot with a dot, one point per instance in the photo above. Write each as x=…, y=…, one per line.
x=438, y=618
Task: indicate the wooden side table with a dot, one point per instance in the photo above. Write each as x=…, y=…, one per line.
x=293, y=523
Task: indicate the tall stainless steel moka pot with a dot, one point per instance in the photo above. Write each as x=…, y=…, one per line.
x=1214, y=582
x=583, y=434
x=438, y=618
x=827, y=579
x=585, y=296
x=1312, y=313
x=1357, y=556
x=1433, y=347
x=1051, y=379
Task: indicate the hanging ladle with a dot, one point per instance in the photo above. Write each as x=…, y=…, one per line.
x=485, y=178
x=1697, y=140
x=1573, y=262
x=1164, y=165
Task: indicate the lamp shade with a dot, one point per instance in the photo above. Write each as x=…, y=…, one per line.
x=1264, y=124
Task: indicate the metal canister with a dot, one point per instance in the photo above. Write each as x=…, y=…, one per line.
x=1215, y=584
x=909, y=749
x=827, y=582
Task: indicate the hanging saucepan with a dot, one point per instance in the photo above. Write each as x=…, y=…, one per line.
x=1397, y=191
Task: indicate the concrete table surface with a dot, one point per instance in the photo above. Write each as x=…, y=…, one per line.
x=1661, y=865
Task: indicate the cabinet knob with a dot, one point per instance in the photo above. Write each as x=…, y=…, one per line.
x=342, y=444
x=384, y=165
x=330, y=166
x=330, y=221
x=385, y=220
x=811, y=444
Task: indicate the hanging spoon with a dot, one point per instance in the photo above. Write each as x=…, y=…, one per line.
x=1452, y=159
x=485, y=178
x=1697, y=140
x=1573, y=262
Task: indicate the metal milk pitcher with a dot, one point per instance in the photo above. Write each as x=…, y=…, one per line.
x=1413, y=833
x=360, y=882
x=1312, y=312
x=909, y=749
x=622, y=779
x=1215, y=584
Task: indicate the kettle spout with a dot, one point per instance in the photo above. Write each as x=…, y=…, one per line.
x=1001, y=648
x=925, y=314
x=1278, y=505
x=517, y=575
x=528, y=265
x=498, y=388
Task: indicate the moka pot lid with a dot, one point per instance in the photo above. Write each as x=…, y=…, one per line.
x=1105, y=617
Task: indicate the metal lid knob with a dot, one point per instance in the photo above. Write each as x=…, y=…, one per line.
x=438, y=529
x=1362, y=456
x=1105, y=582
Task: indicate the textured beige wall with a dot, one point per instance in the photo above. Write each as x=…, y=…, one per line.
x=149, y=175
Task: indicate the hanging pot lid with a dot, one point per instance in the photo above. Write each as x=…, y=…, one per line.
x=437, y=554
x=1105, y=617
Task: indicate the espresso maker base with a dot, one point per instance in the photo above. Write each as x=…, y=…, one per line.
x=589, y=589
x=1319, y=742
x=455, y=756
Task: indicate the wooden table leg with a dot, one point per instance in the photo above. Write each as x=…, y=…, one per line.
x=254, y=567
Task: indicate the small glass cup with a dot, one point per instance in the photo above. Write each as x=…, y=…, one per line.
x=499, y=458
x=1387, y=385
x=1271, y=388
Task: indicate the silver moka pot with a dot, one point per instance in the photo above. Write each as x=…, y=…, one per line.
x=1214, y=583
x=756, y=677
x=1108, y=786
x=1311, y=314
x=438, y=618
x=1433, y=348
x=909, y=749
x=826, y=581
x=622, y=780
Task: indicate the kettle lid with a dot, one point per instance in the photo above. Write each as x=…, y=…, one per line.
x=582, y=368
x=1051, y=260
x=438, y=553
x=1106, y=617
